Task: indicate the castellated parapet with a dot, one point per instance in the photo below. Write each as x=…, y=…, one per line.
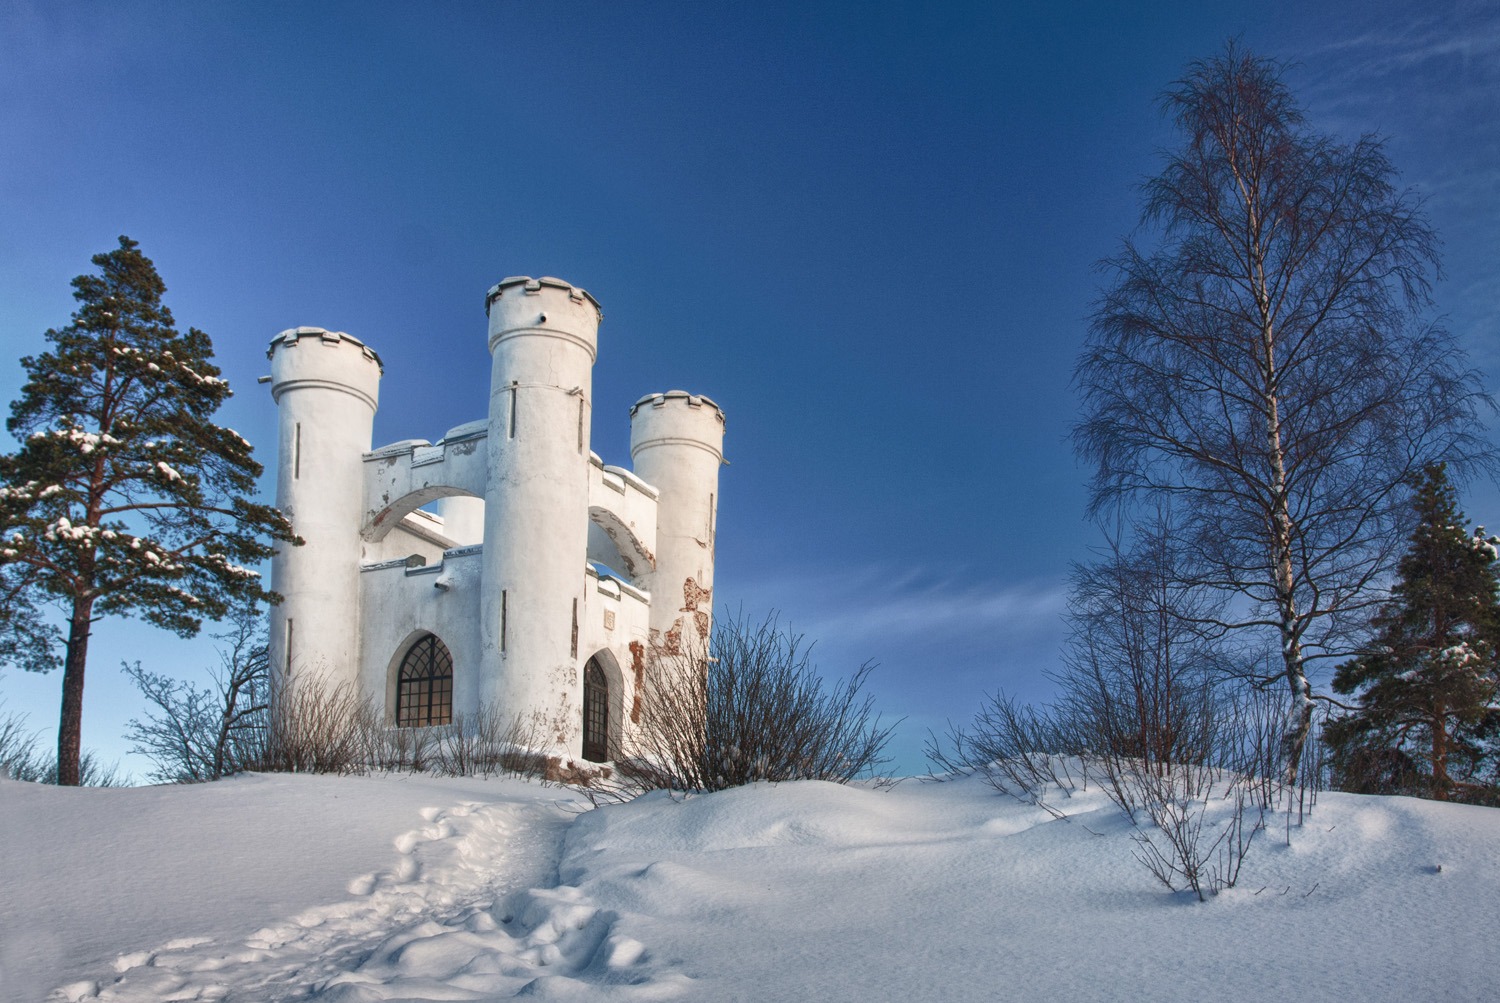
x=505, y=568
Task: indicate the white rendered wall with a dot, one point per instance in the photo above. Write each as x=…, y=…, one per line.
x=402, y=603
x=419, y=533
x=463, y=519
x=622, y=520
x=542, y=339
x=326, y=386
x=616, y=630
x=676, y=446
x=403, y=476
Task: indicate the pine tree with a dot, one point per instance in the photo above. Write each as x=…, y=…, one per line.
x=1428, y=686
x=124, y=497
x=27, y=638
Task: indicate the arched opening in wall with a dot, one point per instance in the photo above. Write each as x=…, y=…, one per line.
x=456, y=514
x=613, y=549
x=424, y=685
x=595, y=713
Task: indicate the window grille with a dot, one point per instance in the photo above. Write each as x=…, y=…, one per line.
x=595, y=713
x=424, y=691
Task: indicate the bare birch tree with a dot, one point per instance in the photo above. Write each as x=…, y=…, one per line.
x=1260, y=362
x=1140, y=679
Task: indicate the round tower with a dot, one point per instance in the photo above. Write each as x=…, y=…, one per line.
x=677, y=446
x=543, y=339
x=326, y=386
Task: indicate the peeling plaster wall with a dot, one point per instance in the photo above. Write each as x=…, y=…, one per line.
x=617, y=621
x=622, y=520
x=676, y=445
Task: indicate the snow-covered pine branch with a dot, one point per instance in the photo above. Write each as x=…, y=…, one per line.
x=124, y=497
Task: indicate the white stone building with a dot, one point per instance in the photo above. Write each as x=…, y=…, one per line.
x=441, y=578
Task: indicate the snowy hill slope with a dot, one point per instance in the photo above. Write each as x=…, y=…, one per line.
x=400, y=888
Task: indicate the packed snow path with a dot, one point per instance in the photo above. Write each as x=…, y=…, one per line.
x=472, y=910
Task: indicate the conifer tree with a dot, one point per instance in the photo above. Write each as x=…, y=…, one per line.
x=124, y=497
x=27, y=638
x=1428, y=685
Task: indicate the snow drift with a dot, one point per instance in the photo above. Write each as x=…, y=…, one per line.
x=415, y=888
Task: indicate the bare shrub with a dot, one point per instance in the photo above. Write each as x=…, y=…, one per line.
x=1196, y=840
x=22, y=758
x=1153, y=707
x=314, y=729
x=757, y=709
x=1206, y=815
x=196, y=734
x=485, y=744
x=1193, y=819
x=336, y=733
x=1023, y=751
x=249, y=723
x=412, y=750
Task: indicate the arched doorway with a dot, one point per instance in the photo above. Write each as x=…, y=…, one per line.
x=424, y=685
x=595, y=713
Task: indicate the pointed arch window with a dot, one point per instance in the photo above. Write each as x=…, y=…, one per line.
x=595, y=713
x=424, y=689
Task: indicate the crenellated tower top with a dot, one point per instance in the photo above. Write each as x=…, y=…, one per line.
x=676, y=418
x=546, y=306
x=311, y=357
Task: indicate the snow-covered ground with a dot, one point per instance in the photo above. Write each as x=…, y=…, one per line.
x=355, y=889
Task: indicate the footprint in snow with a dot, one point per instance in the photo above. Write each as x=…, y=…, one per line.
x=478, y=916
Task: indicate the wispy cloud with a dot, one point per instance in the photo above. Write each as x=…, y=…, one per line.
x=942, y=639
x=910, y=605
x=1418, y=75
x=1466, y=35
x=1428, y=78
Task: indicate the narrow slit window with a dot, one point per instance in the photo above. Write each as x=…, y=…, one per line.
x=503, y=597
x=514, y=390
x=297, y=452
x=580, y=424
x=288, y=665
x=575, y=628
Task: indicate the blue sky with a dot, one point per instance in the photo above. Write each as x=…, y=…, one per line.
x=867, y=230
